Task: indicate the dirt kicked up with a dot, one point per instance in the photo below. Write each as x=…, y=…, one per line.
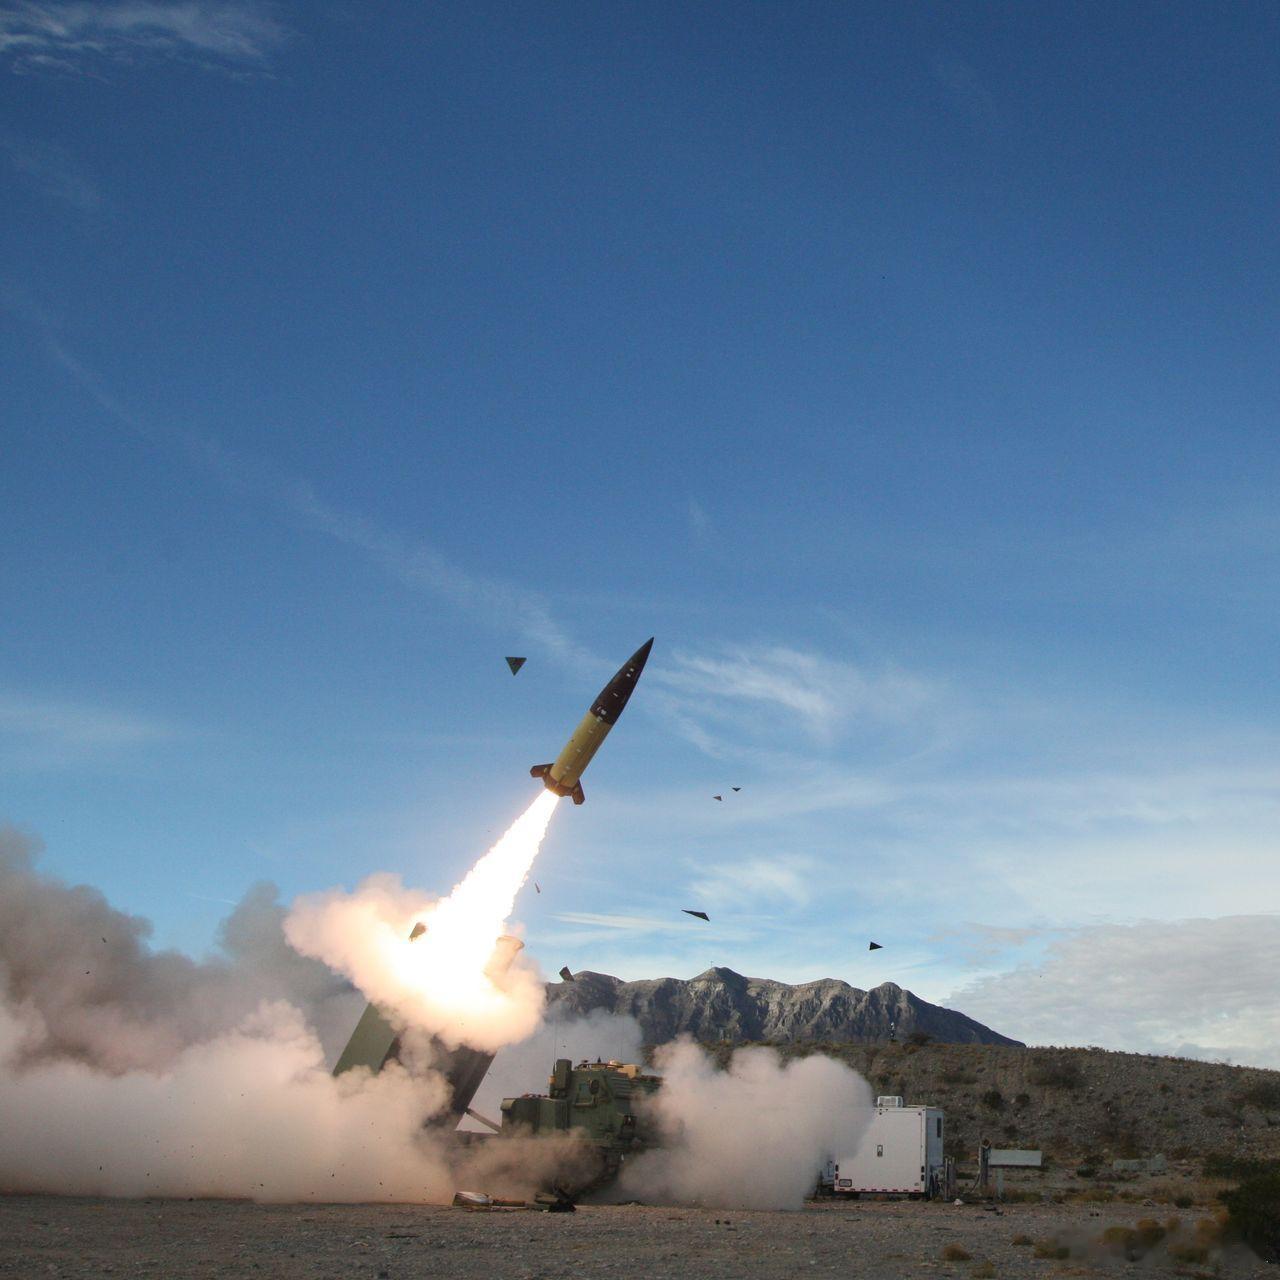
x=51, y=1236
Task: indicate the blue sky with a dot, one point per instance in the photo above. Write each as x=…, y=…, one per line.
x=909, y=372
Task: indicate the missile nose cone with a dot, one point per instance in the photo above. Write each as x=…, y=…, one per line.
x=641, y=655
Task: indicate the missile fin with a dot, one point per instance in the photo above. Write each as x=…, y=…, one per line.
x=539, y=771
x=579, y=796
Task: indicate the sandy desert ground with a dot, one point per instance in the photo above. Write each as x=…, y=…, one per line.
x=50, y=1236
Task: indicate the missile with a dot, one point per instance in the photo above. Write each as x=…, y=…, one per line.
x=563, y=777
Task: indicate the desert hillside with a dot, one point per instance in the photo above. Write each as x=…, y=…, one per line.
x=1080, y=1106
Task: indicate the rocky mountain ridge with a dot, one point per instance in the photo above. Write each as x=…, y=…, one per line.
x=721, y=1005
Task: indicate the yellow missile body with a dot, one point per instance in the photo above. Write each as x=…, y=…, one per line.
x=564, y=776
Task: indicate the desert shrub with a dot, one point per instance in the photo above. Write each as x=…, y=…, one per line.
x=1186, y=1252
x=1021, y=1240
x=1262, y=1094
x=1097, y=1195
x=1134, y=1242
x=1210, y=1231
x=1149, y=1232
x=918, y=1039
x=957, y=1075
x=1086, y=1171
x=1222, y=1111
x=1022, y=1100
x=1018, y=1196
x=1253, y=1213
x=1056, y=1073
x=1222, y=1164
x=982, y=1271
x=1051, y=1249
x=955, y=1253
x=1117, y=1236
x=993, y=1100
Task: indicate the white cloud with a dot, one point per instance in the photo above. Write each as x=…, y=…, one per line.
x=35, y=731
x=746, y=881
x=51, y=170
x=1199, y=987
x=619, y=923
x=699, y=519
x=964, y=88
x=819, y=695
x=413, y=562
x=78, y=37
x=418, y=565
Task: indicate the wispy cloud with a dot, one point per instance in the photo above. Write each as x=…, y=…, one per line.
x=980, y=944
x=620, y=923
x=77, y=37
x=699, y=519
x=787, y=878
x=965, y=89
x=51, y=170
x=1198, y=987
x=46, y=732
x=419, y=565
x=414, y=562
x=820, y=696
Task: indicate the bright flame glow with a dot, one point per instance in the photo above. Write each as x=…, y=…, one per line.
x=437, y=982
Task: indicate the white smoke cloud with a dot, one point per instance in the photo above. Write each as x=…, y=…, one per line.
x=253, y=1112
x=751, y=1137
x=125, y=1071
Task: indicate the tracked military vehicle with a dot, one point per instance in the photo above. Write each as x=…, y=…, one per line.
x=600, y=1105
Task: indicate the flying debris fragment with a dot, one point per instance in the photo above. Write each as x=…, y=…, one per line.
x=702, y=915
x=737, y=788
x=566, y=975
x=875, y=946
x=717, y=797
x=537, y=887
x=564, y=775
x=515, y=664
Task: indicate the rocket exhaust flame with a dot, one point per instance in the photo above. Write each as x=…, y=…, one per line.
x=441, y=982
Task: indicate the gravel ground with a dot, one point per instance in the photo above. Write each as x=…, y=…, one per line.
x=46, y=1235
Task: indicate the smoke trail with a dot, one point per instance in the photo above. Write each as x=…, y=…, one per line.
x=439, y=982
x=751, y=1137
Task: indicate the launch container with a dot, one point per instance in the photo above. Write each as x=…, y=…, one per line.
x=900, y=1152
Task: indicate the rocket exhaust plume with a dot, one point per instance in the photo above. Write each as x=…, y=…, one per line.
x=442, y=981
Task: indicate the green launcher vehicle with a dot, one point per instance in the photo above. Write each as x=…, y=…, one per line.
x=599, y=1104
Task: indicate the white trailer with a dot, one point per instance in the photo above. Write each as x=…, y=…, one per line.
x=900, y=1152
